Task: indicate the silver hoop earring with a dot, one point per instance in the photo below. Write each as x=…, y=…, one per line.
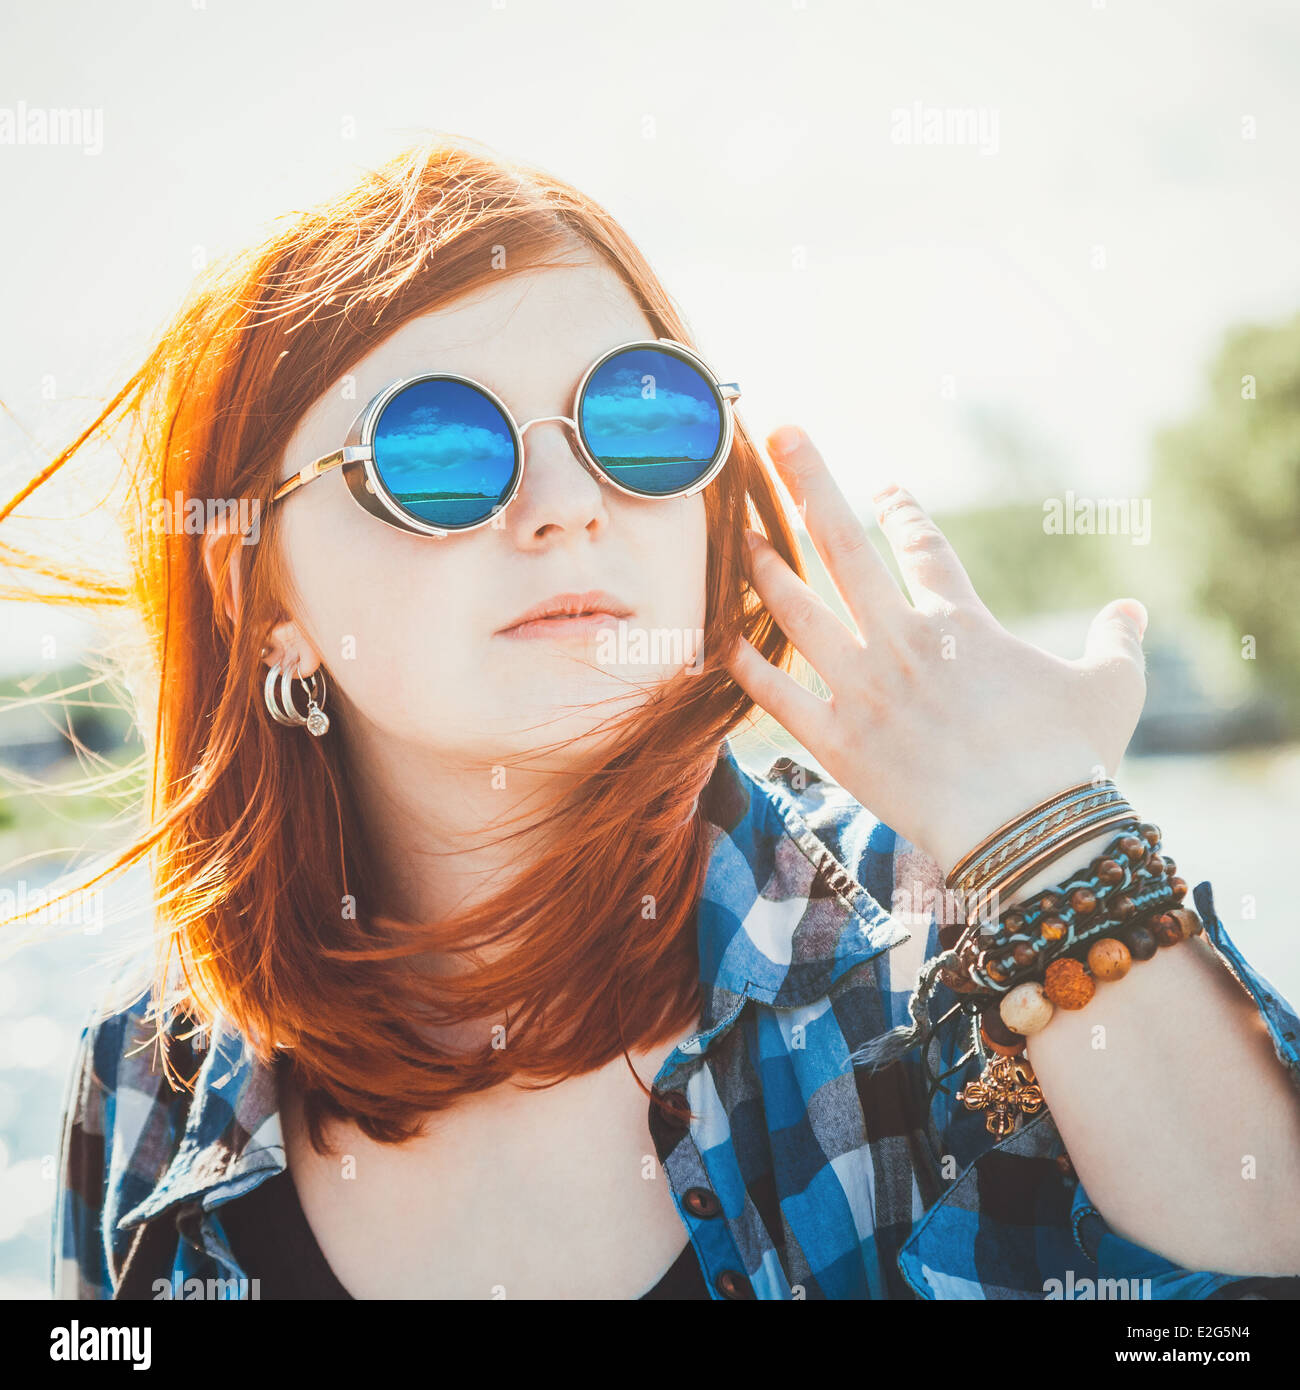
x=282, y=707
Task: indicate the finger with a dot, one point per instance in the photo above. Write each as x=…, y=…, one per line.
x=803, y=615
x=860, y=575
x=801, y=713
x=935, y=577
x=1116, y=634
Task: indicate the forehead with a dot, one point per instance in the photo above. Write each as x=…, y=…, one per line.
x=529, y=337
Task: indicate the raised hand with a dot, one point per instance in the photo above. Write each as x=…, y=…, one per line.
x=940, y=722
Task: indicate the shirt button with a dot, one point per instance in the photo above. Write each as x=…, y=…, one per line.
x=676, y=1110
x=733, y=1285
x=701, y=1202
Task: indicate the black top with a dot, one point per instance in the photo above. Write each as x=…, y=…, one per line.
x=274, y=1243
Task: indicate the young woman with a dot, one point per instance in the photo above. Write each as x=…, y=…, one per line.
x=493, y=972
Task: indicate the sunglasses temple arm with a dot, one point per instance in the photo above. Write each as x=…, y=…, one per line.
x=312, y=471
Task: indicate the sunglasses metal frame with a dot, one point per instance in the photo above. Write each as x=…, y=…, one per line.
x=357, y=457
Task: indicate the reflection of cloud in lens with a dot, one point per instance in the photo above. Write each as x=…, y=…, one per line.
x=413, y=456
x=625, y=411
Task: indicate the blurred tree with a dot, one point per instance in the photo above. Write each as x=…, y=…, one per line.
x=1231, y=473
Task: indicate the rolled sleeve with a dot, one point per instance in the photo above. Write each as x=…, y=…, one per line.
x=78, y=1269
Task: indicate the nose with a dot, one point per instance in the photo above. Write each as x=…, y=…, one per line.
x=553, y=496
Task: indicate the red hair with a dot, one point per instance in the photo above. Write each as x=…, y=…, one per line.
x=257, y=850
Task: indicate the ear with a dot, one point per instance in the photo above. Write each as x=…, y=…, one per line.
x=217, y=540
x=287, y=644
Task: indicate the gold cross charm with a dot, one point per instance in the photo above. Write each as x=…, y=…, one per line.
x=1008, y=1089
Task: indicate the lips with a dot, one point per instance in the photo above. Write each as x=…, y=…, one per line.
x=558, y=607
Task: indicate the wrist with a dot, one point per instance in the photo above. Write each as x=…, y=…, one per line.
x=971, y=819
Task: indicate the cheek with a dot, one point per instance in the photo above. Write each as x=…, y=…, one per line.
x=374, y=602
x=679, y=562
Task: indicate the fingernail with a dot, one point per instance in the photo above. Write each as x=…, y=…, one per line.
x=886, y=491
x=786, y=440
x=1137, y=613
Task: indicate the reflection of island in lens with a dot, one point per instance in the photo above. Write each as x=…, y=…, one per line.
x=445, y=452
x=656, y=475
x=652, y=421
x=449, y=508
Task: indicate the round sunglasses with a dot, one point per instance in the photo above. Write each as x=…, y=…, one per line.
x=440, y=453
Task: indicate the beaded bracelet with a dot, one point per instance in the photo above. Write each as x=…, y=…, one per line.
x=1091, y=825
x=1068, y=982
x=1129, y=879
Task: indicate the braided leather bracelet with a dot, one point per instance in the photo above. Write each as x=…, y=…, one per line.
x=1128, y=879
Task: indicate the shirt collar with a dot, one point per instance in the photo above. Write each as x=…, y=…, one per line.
x=781, y=915
x=780, y=919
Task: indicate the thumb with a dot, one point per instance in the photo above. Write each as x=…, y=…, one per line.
x=1117, y=632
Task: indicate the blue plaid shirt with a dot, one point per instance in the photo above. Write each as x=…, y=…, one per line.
x=829, y=1182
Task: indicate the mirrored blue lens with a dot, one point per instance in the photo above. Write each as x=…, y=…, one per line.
x=445, y=452
x=652, y=420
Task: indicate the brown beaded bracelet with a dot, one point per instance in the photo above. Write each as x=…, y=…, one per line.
x=1007, y=1087
x=1108, y=818
x=1070, y=983
x=1130, y=878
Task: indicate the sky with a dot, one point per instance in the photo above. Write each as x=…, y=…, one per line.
x=911, y=228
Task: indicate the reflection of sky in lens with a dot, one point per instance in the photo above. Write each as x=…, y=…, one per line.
x=443, y=439
x=679, y=421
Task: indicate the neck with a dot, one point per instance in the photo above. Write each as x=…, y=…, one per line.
x=444, y=825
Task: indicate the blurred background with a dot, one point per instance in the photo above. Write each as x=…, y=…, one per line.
x=1038, y=263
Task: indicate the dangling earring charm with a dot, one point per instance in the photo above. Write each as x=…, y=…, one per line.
x=318, y=722
x=281, y=705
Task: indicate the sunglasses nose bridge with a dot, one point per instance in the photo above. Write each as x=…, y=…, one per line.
x=581, y=450
x=549, y=419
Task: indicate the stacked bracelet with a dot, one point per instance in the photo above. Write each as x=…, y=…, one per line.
x=1129, y=880
x=1013, y=971
x=1016, y=850
x=1096, y=945
x=1050, y=953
